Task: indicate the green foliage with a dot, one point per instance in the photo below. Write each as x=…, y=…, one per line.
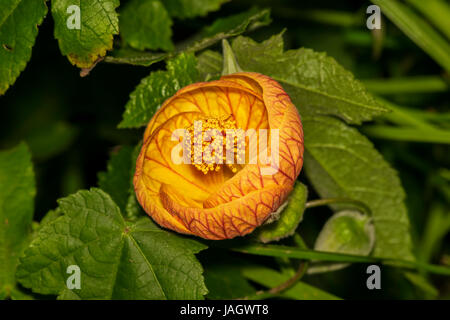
x=418, y=30
x=317, y=84
x=118, y=260
x=99, y=23
x=345, y=232
x=289, y=219
x=271, y=278
x=191, y=8
x=145, y=24
x=17, y=191
x=223, y=28
x=116, y=180
x=156, y=88
x=340, y=162
x=19, y=20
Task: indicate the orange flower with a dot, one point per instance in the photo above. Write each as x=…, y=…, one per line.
x=220, y=201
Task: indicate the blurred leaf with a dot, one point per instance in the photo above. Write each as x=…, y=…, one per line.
x=145, y=24
x=418, y=30
x=417, y=84
x=422, y=283
x=317, y=84
x=156, y=88
x=17, y=191
x=192, y=8
x=345, y=232
x=271, y=278
x=52, y=139
x=289, y=219
x=223, y=276
x=99, y=23
x=436, y=228
x=407, y=134
x=117, y=260
x=340, y=162
x=19, y=20
x=437, y=12
x=116, y=180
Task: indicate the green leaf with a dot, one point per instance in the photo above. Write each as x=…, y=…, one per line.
x=317, y=84
x=230, y=64
x=117, y=260
x=437, y=12
x=52, y=139
x=156, y=88
x=418, y=30
x=99, y=23
x=271, y=278
x=340, y=162
x=227, y=27
x=289, y=219
x=345, y=232
x=17, y=191
x=223, y=276
x=209, y=65
x=422, y=283
x=222, y=28
x=116, y=180
x=192, y=8
x=19, y=20
x=145, y=24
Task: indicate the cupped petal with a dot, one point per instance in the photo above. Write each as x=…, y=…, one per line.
x=228, y=220
x=282, y=115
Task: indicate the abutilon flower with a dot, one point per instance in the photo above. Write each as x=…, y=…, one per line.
x=213, y=199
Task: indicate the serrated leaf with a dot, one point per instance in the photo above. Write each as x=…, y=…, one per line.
x=227, y=27
x=145, y=24
x=156, y=88
x=316, y=83
x=116, y=180
x=99, y=23
x=289, y=219
x=192, y=8
x=340, y=162
x=117, y=260
x=19, y=20
x=17, y=191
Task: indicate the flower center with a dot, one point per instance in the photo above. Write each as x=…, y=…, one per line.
x=214, y=142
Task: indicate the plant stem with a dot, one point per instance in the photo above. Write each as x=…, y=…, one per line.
x=325, y=202
x=301, y=270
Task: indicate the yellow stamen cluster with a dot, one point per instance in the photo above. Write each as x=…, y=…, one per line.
x=210, y=134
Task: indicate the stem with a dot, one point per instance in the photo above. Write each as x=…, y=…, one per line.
x=301, y=270
x=325, y=202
